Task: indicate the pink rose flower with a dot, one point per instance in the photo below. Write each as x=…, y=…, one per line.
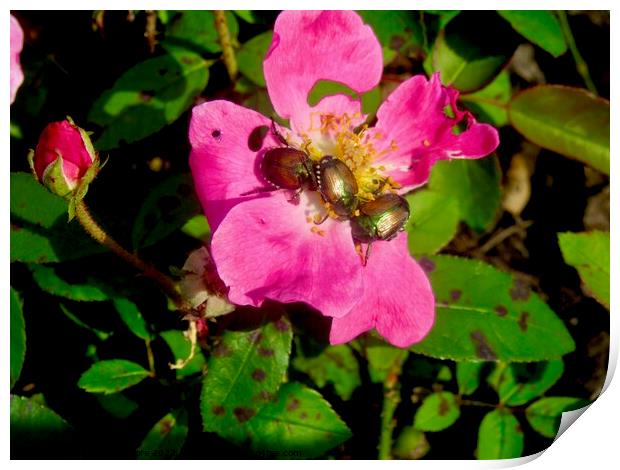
x=17, y=42
x=267, y=246
x=63, y=156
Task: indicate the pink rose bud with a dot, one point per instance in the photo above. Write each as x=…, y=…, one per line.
x=63, y=158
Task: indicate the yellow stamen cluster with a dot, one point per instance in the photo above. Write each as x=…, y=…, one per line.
x=354, y=146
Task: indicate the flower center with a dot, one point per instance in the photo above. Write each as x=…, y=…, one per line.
x=339, y=137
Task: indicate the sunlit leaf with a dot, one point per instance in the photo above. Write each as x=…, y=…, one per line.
x=147, y=97
x=112, y=376
x=545, y=414
x=569, y=121
x=336, y=365
x=131, y=316
x=538, y=26
x=396, y=30
x=433, y=222
x=195, y=30
x=473, y=184
x=197, y=227
x=251, y=55
x=40, y=232
x=50, y=282
x=490, y=104
x=500, y=436
x=167, y=207
x=246, y=369
x=166, y=438
x=437, y=412
x=470, y=57
x=468, y=376
x=299, y=424
x=384, y=359
x=18, y=337
x=411, y=444
x=588, y=252
x=484, y=314
x=516, y=384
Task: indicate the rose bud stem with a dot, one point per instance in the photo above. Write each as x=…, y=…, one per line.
x=82, y=214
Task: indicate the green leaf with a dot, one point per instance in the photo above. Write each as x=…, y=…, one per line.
x=100, y=334
x=500, y=436
x=18, y=337
x=474, y=185
x=471, y=57
x=247, y=16
x=167, y=207
x=131, y=316
x=322, y=88
x=181, y=348
x=433, y=223
x=569, y=121
x=38, y=431
x=112, y=376
x=396, y=30
x=39, y=229
x=538, y=26
x=251, y=55
x=197, y=227
x=490, y=104
x=336, y=365
x=195, y=30
x=411, y=444
x=50, y=282
x=246, y=369
x=545, y=414
x=148, y=96
x=166, y=438
x=300, y=424
x=468, y=376
x=118, y=405
x=588, y=252
x=516, y=384
x=484, y=314
x=438, y=412
x=383, y=359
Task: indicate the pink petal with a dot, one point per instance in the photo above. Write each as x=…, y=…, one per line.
x=264, y=249
x=413, y=118
x=398, y=300
x=17, y=42
x=309, y=46
x=227, y=144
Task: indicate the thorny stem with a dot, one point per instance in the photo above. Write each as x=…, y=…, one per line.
x=98, y=234
x=228, y=54
x=391, y=399
x=582, y=66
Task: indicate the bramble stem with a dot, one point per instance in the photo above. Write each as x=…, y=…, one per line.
x=151, y=357
x=228, y=54
x=582, y=66
x=99, y=235
x=391, y=400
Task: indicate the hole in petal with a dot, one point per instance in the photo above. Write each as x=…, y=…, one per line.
x=217, y=134
x=324, y=88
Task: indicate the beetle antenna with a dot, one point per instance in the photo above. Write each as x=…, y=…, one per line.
x=275, y=132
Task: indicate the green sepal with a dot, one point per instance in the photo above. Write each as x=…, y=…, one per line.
x=55, y=180
x=82, y=186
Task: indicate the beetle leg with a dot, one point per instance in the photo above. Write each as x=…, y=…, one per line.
x=322, y=220
x=365, y=262
x=295, y=197
x=259, y=191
